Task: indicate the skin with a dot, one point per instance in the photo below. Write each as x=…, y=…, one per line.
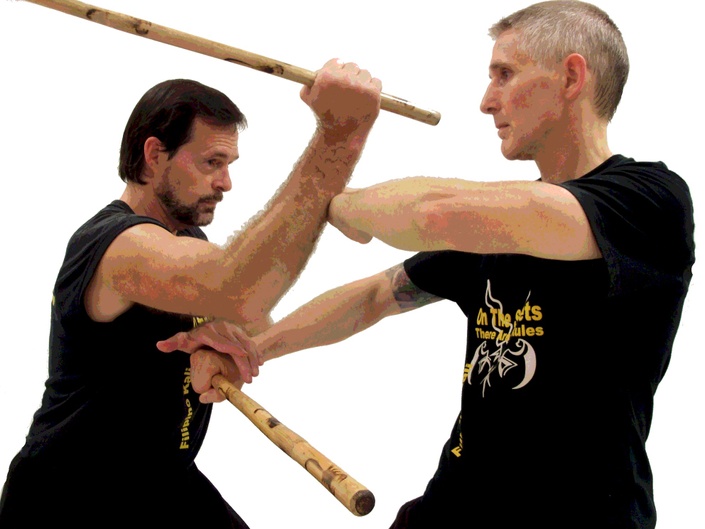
x=545, y=114
x=542, y=113
x=193, y=182
x=242, y=280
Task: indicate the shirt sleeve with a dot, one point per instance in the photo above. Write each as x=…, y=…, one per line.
x=641, y=215
x=437, y=272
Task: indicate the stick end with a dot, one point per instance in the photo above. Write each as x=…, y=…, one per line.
x=363, y=502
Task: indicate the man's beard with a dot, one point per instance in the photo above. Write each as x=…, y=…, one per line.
x=187, y=214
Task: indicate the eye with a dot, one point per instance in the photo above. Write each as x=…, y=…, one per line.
x=215, y=163
x=504, y=75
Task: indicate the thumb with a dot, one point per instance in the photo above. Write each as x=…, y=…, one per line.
x=305, y=93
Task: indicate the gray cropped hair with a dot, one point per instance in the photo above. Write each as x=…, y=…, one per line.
x=550, y=31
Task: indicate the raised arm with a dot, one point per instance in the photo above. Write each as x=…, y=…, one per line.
x=244, y=279
x=424, y=214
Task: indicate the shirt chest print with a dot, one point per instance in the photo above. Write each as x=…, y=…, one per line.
x=506, y=342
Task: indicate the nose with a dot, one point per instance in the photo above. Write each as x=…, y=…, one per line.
x=223, y=182
x=490, y=101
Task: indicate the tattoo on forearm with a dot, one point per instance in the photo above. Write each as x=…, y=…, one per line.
x=407, y=295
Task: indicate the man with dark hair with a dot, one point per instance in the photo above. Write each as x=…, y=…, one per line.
x=115, y=439
x=167, y=111
x=573, y=286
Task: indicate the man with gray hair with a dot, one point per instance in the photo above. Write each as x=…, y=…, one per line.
x=573, y=286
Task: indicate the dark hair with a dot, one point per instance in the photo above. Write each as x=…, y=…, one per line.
x=167, y=111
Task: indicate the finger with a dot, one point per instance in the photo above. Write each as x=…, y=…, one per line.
x=244, y=367
x=351, y=67
x=237, y=346
x=248, y=345
x=204, y=368
x=200, y=378
x=305, y=93
x=334, y=63
x=364, y=76
x=173, y=343
x=212, y=396
x=229, y=344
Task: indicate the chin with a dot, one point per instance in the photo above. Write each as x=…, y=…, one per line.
x=204, y=219
x=512, y=152
x=512, y=155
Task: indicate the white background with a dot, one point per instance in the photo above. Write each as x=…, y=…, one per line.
x=382, y=404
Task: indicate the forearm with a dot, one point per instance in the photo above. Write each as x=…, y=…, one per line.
x=244, y=280
x=265, y=258
x=329, y=318
x=394, y=212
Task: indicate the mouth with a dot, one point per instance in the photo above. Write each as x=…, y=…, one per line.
x=502, y=130
x=211, y=201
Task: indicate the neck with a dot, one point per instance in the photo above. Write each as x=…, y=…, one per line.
x=581, y=149
x=142, y=201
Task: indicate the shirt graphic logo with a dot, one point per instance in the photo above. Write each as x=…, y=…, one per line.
x=504, y=347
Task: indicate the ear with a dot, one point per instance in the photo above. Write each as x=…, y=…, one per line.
x=576, y=73
x=153, y=154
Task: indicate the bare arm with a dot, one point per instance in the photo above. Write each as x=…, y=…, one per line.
x=326, y=319
x=244, y=279
x=423, y=214
x=342, y=312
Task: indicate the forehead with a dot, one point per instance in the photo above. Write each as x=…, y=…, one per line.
x=506, y=51
x=207, y=137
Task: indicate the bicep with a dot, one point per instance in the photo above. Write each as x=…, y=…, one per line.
x=555, y=226
x=532, y=218
x=146, y=264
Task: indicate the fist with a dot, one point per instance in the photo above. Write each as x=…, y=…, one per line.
x=344, y=97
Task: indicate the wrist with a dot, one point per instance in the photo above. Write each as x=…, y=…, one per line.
x=350, y=134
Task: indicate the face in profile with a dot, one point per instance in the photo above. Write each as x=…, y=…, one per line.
x=194, y=180
x=524, y=98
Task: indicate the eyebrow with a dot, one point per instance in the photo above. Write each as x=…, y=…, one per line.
x=500, y=64
x=221, y=155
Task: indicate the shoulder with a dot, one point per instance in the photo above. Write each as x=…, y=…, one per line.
x=108, y=223
x=641, y=214
x=622, y=189
x=90, y=242
x=622, y=174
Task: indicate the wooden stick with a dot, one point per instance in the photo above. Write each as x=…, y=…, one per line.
x=348, y=491
x=149, y=30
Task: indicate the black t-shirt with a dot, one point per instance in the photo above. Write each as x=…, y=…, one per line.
x=562, y=362
x=118, y=417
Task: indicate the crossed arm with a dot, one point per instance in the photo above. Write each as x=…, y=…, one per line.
x=243, y=280
x=329, y=318
x=422, y=214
